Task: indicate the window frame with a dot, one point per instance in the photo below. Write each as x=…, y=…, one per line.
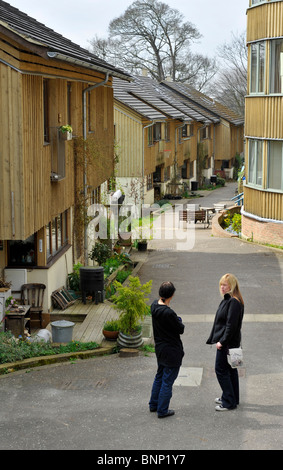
x=257, y=90
x=272, y=77
x=258, y=152
x=270, y=188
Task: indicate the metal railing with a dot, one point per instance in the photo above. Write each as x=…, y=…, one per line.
x=239, y=199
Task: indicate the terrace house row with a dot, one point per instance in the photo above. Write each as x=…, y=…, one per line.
x=168, y=134
x=46, y=82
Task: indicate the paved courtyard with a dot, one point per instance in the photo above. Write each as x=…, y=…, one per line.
x=102, y=403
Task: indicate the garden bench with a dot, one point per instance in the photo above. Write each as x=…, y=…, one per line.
x=193, y=216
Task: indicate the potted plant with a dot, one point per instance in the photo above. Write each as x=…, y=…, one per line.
x=74, y=280
x=66, y=131
x=111, y=329
x=130, y=301
x=142, y=245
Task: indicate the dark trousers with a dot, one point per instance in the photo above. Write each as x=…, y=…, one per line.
x=161, y=392
x=228, y=379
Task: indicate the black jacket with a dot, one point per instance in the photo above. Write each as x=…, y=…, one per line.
x=227, y=323
x=167, y=328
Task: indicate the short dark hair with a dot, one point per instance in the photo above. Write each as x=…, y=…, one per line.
x=166, y=290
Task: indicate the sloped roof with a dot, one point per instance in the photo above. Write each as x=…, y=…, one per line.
x=123, y=92
x=53, y=44
x=189, y=110
x=153, y=101
x=201, y=100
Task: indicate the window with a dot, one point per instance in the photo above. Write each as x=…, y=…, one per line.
x=276, y=66
x=255, y=162
x=257, y=67
x=157, y=131
x=46, y=111
x=167, y=131
x=22, y=253
x=184, y=131
x=275, y=165
x=205, y=133
x=150, y=135
x=56, y=234
x=149, y=181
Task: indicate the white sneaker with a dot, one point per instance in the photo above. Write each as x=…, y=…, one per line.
x=221, y=408
x=218, y=401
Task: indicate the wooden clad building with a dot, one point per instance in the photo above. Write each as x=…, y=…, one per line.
x=46, y=83
x=262, y=215
x=168, y=134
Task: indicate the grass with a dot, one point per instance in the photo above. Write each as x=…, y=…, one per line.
x=13, y=350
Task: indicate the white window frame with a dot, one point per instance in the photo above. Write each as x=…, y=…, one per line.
x=255, y=172
x=257, y=45
x=272, y=68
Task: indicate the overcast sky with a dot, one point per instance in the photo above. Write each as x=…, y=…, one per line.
x=82, y=20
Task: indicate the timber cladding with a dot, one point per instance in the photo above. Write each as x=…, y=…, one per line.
x=266, y=21
x=28, y=198
x=264, y=204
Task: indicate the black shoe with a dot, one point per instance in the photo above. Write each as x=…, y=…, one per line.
x=169, y=413
x=152, y=410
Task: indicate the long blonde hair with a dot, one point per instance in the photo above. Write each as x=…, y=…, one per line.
x=234, y=286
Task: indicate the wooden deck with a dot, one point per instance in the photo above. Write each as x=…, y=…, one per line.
x=89, y=319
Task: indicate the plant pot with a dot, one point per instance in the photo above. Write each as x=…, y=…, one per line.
x=142, y=246
x=67, y=135
x=130, y=341
x=125, y=238
x=110, y=335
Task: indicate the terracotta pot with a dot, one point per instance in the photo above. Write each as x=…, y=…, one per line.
x=110, y=335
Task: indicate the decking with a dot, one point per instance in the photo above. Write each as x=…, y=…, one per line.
x=89, y=319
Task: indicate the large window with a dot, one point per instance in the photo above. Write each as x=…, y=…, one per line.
x=257, y=67
x=255, y=162
x=56, y=234
x=276, y=66
x=275, y=165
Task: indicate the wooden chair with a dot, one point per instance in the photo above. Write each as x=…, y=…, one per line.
x=33, y=294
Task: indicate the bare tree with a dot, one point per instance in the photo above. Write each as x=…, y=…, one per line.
x=230, y=84
x=150, y=35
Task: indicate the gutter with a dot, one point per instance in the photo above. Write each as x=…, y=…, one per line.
x=89, y=65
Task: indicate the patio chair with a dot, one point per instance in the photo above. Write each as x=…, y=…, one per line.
x=33, y=294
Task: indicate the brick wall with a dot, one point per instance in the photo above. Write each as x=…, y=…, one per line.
x=263, y=232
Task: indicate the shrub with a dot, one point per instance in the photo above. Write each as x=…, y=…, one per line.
x=100, y=252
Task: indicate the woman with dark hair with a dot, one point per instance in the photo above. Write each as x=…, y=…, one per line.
x=167, y=328
x=226, y=333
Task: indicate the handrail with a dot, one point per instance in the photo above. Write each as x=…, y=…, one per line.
x=239, y=199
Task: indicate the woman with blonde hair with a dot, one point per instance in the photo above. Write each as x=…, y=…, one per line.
x=226, y=333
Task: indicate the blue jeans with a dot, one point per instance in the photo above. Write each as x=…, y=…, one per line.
x=228, y=379
x=161, y=392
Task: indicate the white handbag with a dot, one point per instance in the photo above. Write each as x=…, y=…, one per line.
x=235, y=357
